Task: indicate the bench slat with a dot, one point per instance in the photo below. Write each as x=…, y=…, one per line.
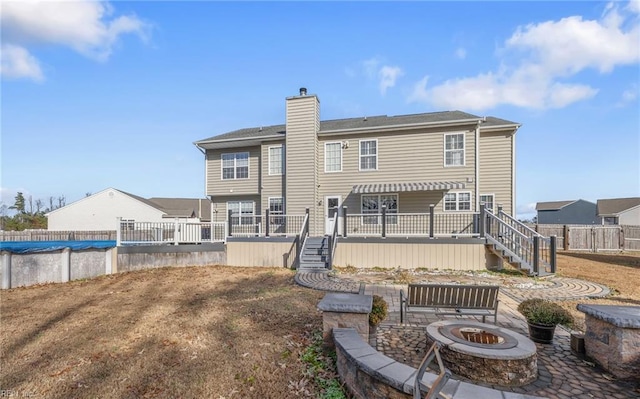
x=464, y=299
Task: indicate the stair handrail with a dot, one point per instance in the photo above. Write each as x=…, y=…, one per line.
x=534, y=233
x=333, y=239
x=440, y=381
x=302, y=235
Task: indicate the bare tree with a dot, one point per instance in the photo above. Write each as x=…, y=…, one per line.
x=39, y=205
x=30, y=202
x=62, y=201
x=51, y=208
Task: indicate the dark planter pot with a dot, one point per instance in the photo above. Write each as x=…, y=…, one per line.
x=541, y=334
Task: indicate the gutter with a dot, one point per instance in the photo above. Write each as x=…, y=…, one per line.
x=198, y=143
x=407, y=126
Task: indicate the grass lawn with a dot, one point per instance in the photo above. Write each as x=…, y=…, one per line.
x=196, y=332
x=618, y=271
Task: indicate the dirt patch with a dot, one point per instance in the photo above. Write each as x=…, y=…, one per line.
x=205, y=332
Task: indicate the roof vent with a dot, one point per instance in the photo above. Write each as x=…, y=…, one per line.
x=365, y=119
x=260, y=129
x=303, y=91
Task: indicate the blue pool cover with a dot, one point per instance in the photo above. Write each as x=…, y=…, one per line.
x=23, y=247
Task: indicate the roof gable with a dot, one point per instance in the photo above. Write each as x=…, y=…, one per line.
x=615, y=206
x=553, y=205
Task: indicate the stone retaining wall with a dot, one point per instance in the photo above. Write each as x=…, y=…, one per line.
x=372, y=375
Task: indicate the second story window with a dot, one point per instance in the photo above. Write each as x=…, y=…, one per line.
x=333, y=157
x=368, y=154
x=454, y=149
x=275, y=160
x=235, y=166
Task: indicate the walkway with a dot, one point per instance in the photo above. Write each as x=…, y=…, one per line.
x=562, y=374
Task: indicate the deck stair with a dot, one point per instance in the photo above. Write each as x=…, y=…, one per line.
x=519, y=245
x=315, y=254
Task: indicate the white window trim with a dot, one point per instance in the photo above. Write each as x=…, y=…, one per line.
x=253, y=210
x=269, y=205
x=281, y=159
x=492, y=195
x=464, y=150
x=360, y=156
x=457, y=193
x=325, y=157
x=235, y=166
x=363, y=215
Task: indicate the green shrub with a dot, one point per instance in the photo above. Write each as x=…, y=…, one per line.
x=543, y=312
x=379, y=310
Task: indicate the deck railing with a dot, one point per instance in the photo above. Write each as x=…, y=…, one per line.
x=390, y=224
x=173, y=232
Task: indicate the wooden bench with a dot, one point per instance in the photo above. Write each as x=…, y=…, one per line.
x=451, y=300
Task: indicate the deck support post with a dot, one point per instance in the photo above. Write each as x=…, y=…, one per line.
x=344, y=221
x=536, y=255
x=384, y=221
x=552, y=256
x=431, y=219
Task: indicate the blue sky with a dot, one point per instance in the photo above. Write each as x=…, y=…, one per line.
x=98, y=95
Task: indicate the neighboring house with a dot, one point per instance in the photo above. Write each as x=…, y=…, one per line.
x=452, y=159
x=622, y=211
x=567, y=212
x=101, y=211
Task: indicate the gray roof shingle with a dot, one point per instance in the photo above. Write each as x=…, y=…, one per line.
x=552, y=205
x=616, y=206
x=362, y=122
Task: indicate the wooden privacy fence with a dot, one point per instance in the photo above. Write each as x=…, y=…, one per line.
x=593, y=237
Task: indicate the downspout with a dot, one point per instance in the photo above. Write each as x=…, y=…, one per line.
x=477, y=177
x=513, y=174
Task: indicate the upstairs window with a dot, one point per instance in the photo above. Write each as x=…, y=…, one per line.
x=454, y=149
x=457, y=201
x=368, y=154
x=235, y=166
x=333, y=157
x=275, y=160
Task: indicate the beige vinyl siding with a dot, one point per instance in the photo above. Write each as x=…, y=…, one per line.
x=261, y=254
x=217, y=186
x=402, y=157
x=219, y=204
x=272, y=185
x=411, y=256
x=303, y=115
x=496, y=167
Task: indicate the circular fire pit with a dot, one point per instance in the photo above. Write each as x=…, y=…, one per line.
x=485, y=353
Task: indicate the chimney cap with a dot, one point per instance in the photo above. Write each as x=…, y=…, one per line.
x=303, y=91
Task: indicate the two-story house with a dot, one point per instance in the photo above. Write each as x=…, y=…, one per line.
x=452, y=160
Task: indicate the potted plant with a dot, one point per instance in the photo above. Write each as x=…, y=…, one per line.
x=379, y=310
x=542, y=317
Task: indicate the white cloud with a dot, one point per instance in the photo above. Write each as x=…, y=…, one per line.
x=388, y=76
x=461, y=53
x=87, y=27
x=385, y=75
x=630, y=94
x=548, y=52
x=17, y=63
